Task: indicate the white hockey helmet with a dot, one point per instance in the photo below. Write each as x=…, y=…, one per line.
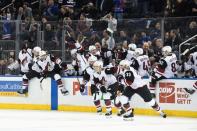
x=91, y=48
x=139, y=51
x=132, y=46
x=97, y=66
x=124, y=64
x=166, y=50
x=92, y=59
x=36, y=50
x=42, y=55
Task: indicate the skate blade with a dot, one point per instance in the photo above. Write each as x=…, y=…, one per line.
x=23, y=95
x=100, y=113
x=108, y=117
x=128, y=119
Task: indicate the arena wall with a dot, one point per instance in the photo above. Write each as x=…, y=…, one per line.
x=45, y=96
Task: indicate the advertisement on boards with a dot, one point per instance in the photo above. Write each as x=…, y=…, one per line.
x=9, y=88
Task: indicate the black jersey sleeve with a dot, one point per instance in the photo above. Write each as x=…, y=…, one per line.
x=135, y=64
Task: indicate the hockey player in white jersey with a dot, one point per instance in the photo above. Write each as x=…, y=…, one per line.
x=134, y=84
x=44, y=67
x=131, y=52
x=167, y=68
x=36, y=70
x=89, y=75
x=141, y=63
x=193, y=60
x=107, y=85
x=53, y=69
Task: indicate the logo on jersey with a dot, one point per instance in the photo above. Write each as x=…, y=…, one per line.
x=166, y=92
x=76, y=89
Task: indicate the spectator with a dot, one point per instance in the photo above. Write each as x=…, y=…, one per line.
x=157, y=48
x=104, y=6
x=119, y=9
x=51, y=41
x=20, y=15
x=193, y=8
x=180, y=8
x=27, y=11
x=143, y=7
x=123, y=37
x=143, y=38
x=174, y=41
x=65, y=12
x=94, y=38
x=51, y=11
x=108, y=40
x=156, y=31
x=82, y=26
x=191, y=30
x=147, y=49
x=90, y=11
x=112, y=22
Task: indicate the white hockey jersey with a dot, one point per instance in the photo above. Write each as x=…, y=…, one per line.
x=25, y=58
x=171, y=68
x=194, y=65
x=137, y=81
x=144, y=65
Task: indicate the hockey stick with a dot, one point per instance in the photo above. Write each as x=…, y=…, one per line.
x=41, y=83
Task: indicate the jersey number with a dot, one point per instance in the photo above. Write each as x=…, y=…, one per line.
x=173, y=67
x=145, y=66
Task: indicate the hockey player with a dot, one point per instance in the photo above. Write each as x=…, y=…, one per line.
x=94, y=80
x=53, y=69
x=141, y=63
x=134, y=84
x=131, y=52
x=36, y=71
x=99, y=78
x=108, y=87
x=167, y=68
x=39, y=68
x=193, y=60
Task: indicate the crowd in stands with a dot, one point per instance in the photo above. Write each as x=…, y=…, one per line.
x=150, y=24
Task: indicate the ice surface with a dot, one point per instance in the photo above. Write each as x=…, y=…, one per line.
x=28, y=120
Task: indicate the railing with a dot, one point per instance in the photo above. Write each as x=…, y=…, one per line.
x=184, y=43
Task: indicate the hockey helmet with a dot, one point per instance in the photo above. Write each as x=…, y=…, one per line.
x=92, y=59
x=42, y=55
x=132, y=46
x=166, y=50
x=139, y=51
x=124, y=64
x=97, y=66
x=36, y=50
